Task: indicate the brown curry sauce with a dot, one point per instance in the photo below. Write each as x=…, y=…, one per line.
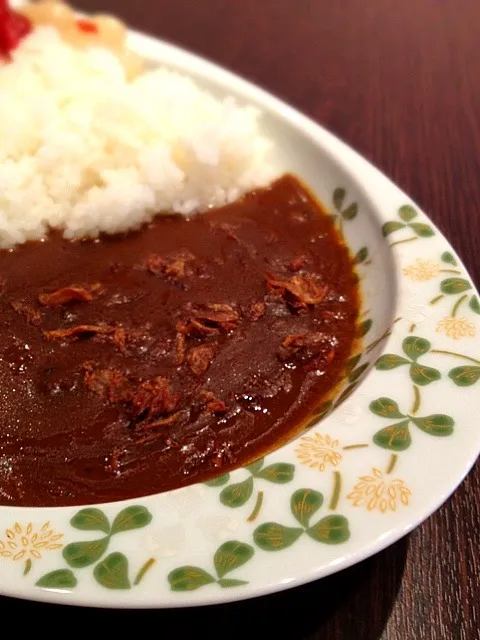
x=143, y=362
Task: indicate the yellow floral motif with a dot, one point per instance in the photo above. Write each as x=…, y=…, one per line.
x=379, y=492
x=29, y=542
x=456, y=328
x=318, y=451
x=422, y=270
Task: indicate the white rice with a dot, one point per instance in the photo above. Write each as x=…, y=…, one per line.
x=85, y=151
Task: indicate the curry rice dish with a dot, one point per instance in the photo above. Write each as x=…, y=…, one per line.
x=168, y=309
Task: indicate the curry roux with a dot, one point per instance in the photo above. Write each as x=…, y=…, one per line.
x=138, y=363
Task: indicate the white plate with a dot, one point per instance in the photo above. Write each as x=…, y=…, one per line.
x=343, y=490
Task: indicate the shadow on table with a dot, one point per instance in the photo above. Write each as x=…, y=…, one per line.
x=354, y=604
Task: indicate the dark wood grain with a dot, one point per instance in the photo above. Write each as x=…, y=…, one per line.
x=399, y=81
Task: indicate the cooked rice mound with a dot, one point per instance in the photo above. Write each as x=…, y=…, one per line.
x=85, y=151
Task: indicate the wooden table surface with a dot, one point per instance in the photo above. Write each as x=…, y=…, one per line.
x=399, y=80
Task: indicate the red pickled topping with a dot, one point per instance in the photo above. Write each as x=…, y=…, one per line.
x=13, y=27
x=86, y=26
